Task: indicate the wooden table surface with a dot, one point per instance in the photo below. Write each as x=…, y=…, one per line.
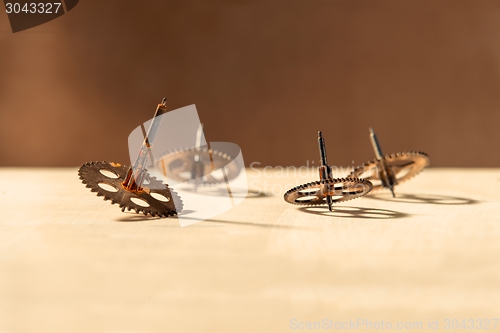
x=70, y=262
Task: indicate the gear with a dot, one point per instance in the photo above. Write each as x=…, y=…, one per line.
x=327, y=190
x=338, y=189
x=155, y=198
x=194, y=163
x=403, y=165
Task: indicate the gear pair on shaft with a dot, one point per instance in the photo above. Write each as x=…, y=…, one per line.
x=383, y=172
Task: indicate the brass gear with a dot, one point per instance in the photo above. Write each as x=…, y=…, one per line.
x=403, y=165
x=339, y=189
x=155, y=198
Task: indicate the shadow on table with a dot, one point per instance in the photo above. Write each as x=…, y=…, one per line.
x=355, y=212
x=133, y=217
x=253, y=224
x=433, y=199
x=222, y=192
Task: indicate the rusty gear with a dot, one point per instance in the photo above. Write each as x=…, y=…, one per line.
x=154, y=198
x=402, y=165
x=339, y=189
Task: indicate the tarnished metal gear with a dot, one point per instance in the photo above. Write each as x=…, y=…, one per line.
x=327, y=190
x=338, y=189
x=155, y=198
x=190, y=164
x=402, y=165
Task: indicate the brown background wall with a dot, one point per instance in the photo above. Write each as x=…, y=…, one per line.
x=264, y=74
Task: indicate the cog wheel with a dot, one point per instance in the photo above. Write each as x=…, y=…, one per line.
x=179, y=165
x=155, y=198
x=403, y=165
x=339, y=189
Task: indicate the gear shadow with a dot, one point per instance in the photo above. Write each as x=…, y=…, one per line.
x=251, y=224
x=135, y=217
x=141, y=218
x=433, y=199
x=356, y=212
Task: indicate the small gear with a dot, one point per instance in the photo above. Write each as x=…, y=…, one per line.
x=402, y=165
x=153, y=198
x=339, y=189
x=327, y=190
x=196, y=163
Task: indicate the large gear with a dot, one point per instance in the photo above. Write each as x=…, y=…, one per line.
x=402, y=165
x=327, y=190
x=154, y=198
x=338, y=189
x=196, y=163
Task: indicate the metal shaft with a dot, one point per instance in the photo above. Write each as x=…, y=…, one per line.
x=322, y=149
x=376, y=145
x=385, y=173
x=136, y=173
x=324, y=169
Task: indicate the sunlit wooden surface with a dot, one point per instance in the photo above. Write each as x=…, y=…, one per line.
x=70, y=262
